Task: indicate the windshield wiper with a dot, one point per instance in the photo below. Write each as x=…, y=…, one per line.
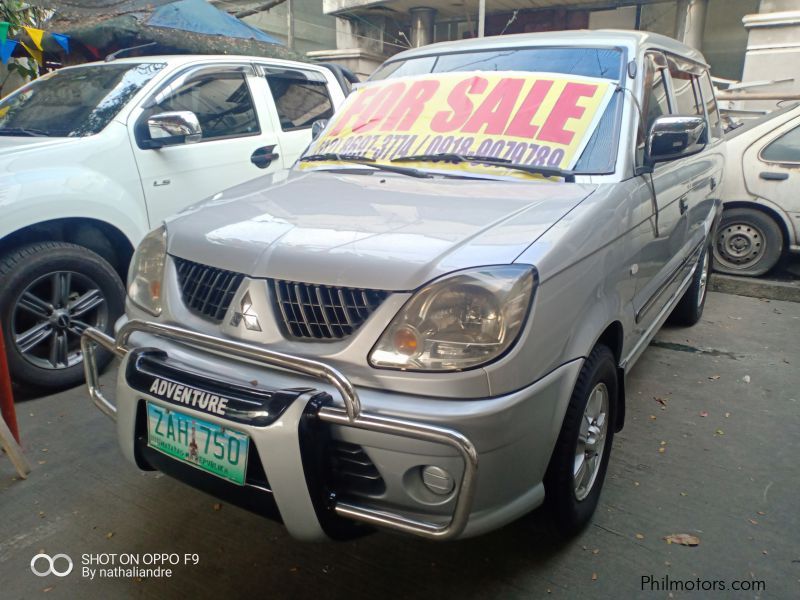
x=336, y=156
x=568, y=176
x=363, y=160
x=24, y=131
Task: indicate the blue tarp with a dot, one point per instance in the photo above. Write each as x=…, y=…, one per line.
x=199, y=16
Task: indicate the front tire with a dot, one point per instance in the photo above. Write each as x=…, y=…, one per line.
x=749, y=243
x=49, y=293
x=578, y=465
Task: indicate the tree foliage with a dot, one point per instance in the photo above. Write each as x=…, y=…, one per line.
x=18, y=13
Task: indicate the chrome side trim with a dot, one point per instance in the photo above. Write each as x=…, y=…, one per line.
x=350, y=416
x=641, y=345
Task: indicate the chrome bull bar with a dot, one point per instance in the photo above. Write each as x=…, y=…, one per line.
x=351, y=416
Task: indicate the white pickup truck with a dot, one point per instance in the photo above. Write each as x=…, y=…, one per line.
x=92, y=157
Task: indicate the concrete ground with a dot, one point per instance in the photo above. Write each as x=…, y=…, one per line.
x=710, y=449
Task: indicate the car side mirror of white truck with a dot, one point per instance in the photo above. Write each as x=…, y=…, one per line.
x=317, y=127
x=173, y=128
x=675, y=136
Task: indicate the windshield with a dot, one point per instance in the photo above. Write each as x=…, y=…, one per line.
x=507, y=124
x=73, y=102
x=599, y=154
x=605, y=63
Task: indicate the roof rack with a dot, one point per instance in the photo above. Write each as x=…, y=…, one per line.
x=118, y=53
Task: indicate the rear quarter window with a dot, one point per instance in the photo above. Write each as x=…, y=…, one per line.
x=299, y=99
x=785, y=149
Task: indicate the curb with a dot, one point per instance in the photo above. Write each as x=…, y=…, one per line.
x=788, y=291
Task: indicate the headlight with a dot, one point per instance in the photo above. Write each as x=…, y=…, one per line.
x=460, y=321
x=147, y=271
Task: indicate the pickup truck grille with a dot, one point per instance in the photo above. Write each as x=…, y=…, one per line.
x=206, y=291
x=321, y=312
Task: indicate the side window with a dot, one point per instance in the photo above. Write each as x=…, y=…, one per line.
x=300, y=98
x=710, y=101
x=655, y=101
x=786, y=149
x=221, y=101
x=686, y=90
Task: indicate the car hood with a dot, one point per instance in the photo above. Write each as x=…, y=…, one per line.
x=12, y=146
x=378, y=231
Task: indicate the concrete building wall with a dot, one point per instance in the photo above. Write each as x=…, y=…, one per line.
x=313, y=30
x=724, y=36
x=773, y=52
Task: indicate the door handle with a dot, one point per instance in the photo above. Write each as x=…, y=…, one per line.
x=683, y=204
x=772, y=176
x=699, y=184
x=263, y=157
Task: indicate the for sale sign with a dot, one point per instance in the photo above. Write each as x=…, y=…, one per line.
x=542, y=119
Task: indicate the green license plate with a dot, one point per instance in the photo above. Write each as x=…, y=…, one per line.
x=212, y=448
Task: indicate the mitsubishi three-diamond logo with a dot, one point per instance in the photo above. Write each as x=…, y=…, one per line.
x=247, y=314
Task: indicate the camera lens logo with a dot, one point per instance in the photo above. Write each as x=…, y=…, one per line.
x=41, y=560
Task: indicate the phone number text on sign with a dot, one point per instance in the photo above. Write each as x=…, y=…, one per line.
x=529, y=118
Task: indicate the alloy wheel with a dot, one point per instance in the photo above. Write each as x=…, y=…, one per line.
x=49, y=316
x=705, y=266
x=591, y=441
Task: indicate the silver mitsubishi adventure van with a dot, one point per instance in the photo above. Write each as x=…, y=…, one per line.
x=426, y=324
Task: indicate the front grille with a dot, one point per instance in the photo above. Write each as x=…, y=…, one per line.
x=205, y=290
x=352, y=471
x=323, y=312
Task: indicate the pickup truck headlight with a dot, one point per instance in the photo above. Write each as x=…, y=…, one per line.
x=460, y=321
x=147, y=271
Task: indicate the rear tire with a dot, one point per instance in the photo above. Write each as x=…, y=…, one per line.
x=49, y=293
x=578, y=465
x=689, y=309
x=749, y=243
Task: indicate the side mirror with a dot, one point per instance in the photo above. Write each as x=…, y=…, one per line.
x=173, y=128
x=317, y=127
x=673, y=137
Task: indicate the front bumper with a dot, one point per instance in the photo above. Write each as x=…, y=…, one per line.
x=292, y=444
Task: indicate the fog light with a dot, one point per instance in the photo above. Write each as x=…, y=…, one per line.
x=437, y=480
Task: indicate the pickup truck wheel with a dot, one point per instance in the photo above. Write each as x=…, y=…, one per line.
x=578, y=465
x=749, y=243
x=49, y=293
x=689, y=309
